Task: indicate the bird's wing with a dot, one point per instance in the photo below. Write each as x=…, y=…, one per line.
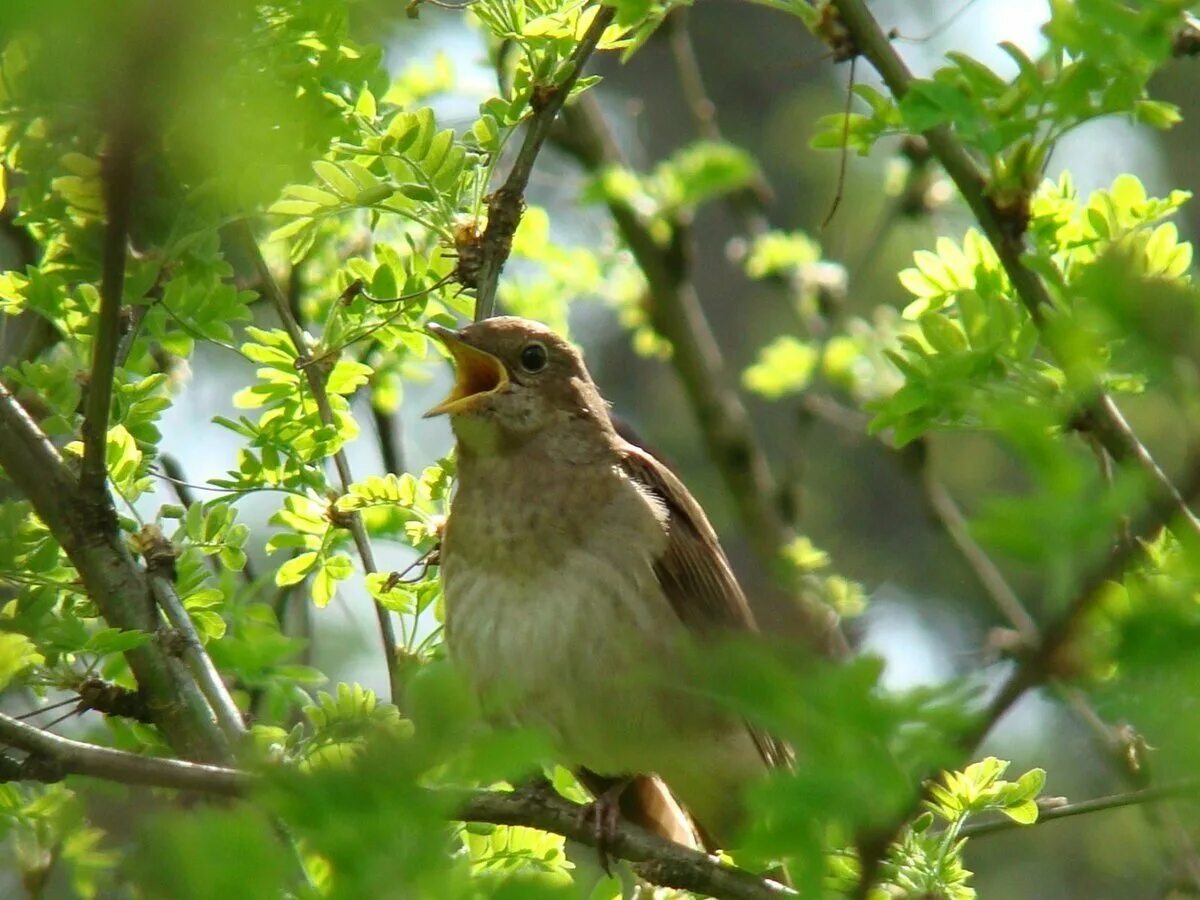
x=693, y=570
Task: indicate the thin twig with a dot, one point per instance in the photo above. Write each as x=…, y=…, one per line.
x=316, y=382
x=749, y=202
x=508, y=201
x=1189, y=788
x=209, y=680
x=987, y=573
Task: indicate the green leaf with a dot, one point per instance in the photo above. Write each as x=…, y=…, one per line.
x=295, y=569
x=17, y=653
x=785, y=366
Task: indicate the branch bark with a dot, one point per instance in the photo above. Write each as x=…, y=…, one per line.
x=118, y=201
x=507, y=203
x=208, y=679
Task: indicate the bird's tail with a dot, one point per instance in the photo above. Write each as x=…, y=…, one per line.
x=647, y=802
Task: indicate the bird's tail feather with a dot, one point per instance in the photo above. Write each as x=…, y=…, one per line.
x=647, y=802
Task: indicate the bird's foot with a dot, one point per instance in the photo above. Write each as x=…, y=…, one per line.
x=602, y=816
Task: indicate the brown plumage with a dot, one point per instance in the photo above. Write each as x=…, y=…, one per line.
x=577, y=571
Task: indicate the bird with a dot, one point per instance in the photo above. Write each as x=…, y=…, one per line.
x=577, y=571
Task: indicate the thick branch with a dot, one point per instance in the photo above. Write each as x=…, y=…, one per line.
x=507, y=203
x=655, y=859
x=1103, y=418
x=660, y=861
x=677, y=315
x=52, y=757
x=316, y=383
x=111, y=578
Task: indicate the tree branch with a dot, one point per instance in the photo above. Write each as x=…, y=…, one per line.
x=1189, y=788
x=51, y=757
x=657, y=860
x=209, y=680
x=1103, y=418
x=241, y=232
x=117, y=180
x=676, y=314
x=507, y=202
x=111, y=578
x=1032, y=670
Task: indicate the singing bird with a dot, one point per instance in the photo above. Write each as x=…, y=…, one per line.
x=577, y=570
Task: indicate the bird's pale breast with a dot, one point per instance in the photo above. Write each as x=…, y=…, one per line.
x=563, y=627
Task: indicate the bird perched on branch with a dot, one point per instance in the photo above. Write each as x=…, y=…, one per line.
x=577, y=571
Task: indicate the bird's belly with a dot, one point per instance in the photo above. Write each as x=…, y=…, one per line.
x=584, y=653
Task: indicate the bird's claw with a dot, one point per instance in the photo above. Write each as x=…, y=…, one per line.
x=601, y=816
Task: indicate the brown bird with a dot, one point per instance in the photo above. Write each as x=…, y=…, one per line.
x=577, y=569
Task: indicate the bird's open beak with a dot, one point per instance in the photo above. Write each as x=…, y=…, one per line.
x=476, y=374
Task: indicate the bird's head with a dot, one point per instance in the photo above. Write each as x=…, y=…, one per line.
x=515, y=378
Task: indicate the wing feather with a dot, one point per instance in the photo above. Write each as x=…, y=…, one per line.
x=693, y=570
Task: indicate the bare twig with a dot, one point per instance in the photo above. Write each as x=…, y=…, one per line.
x=316, y=382
x=749, y=202
x=986, y=572
x=507, y=202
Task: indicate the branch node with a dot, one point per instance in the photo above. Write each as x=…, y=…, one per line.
x=835, y=35
x=174, y=642
x=158, y=552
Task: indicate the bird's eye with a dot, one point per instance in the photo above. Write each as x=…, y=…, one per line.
x=533, y=357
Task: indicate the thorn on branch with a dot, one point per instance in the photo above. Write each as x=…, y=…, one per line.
x=1011, y=207
x=505, y=208
x=468, y=245
x=112, y=700
x=158, y=552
